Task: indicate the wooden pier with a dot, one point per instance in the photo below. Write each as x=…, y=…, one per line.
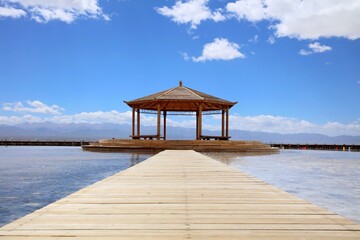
x=181, y=194
x=42, y=143
x=327, y=147
x=156, y=146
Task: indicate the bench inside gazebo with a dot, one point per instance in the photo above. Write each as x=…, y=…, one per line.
x=180, y=100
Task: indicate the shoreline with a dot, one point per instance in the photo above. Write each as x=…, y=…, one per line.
x=281, y=146
x=42, y=143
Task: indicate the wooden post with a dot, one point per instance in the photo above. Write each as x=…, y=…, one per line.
x=158, y=121
x=164, y=125
x=133, y=122
x=197, y=125
x=138, y=121
x=227, y=122
x=200, y=121
x=222, y=123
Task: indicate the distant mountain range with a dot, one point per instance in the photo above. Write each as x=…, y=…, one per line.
x=93, y=132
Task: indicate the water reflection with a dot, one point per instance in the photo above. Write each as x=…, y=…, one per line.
x=33, y=177
x=136, y=158
x=230, y=157
x=327, y=178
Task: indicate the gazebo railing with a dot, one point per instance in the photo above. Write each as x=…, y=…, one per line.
x=182, y=113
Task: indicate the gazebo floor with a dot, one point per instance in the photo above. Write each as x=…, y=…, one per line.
x=155, y=146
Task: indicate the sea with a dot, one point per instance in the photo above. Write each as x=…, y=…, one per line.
x=330, y=179
x=35, y=176
x=32, y=177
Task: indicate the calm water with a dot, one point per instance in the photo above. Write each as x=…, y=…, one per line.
x=327, y=178
x=33, y=177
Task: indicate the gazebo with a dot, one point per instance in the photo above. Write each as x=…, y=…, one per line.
x=180, y=100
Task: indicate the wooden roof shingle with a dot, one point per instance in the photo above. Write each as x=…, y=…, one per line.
x=180, y=98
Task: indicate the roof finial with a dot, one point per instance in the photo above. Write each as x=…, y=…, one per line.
x=180, y=83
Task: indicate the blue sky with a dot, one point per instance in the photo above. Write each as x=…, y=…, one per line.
x=293, y=66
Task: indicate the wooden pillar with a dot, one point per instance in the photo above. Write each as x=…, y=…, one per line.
x=227, y=122
x=164, y=125
x=138, y=121
x=222, y=123
x=133, y=121
x=200, y=121
x=197, y=125
x=158, y=121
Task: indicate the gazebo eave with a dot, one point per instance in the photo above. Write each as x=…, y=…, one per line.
x=180, y=105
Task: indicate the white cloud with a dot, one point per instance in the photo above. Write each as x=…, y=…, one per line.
x=62, y=10
x=217, y=16
x=219, y=49
x=13, y=120
x=185, y=56
x=261, y=123
x=252, y=10
x=95, y=117
x=185, y=122
x=269, y=123
x=31, y=119
x=318, y=48
x=254, y=39
x=285, y=125
x=11, y=12
x=46, y=15
x=271, y=40
x=32, y=107
x=304, y=52
x=191, y=12
x=310, y=19
x=117, y=117
x=314, y=48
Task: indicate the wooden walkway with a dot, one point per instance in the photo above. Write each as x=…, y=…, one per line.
x=181, y=195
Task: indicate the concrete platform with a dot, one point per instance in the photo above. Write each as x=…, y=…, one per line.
x=181, y=195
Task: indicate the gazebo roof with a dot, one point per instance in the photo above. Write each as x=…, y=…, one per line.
x=180, y=98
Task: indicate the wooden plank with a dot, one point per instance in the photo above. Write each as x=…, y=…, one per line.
x=181, y=195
